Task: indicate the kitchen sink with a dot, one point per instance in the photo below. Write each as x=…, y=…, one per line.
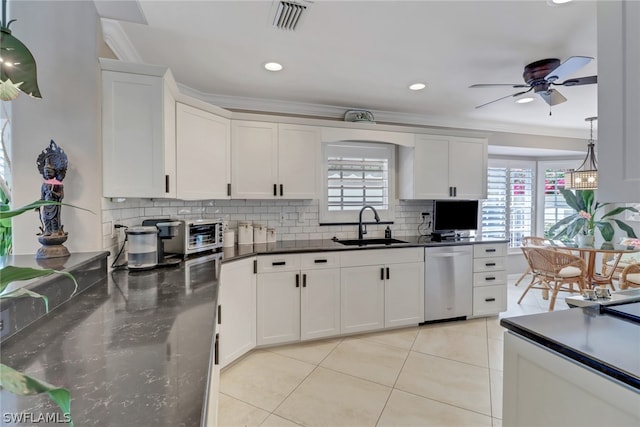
x=365, y=242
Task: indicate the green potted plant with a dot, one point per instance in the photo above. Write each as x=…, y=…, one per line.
x=583, y=222
x=11, y=380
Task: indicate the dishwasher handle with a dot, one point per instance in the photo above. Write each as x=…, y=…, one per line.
x=445, y=254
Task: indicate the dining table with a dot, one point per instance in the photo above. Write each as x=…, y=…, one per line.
x=591, y=252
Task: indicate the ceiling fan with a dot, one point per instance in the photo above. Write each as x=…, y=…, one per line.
x=540, y=75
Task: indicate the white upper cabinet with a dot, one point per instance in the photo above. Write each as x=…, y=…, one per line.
x=138, y=133
x=618, y=101
x=271, y=160
x=203, y=154
x=443, y=167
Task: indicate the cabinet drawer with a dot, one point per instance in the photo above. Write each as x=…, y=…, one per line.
x=488, y=278
x=271, y=263
x=489, y=264
x=380, y=256
x=317, y=260
x=489, y=250
x=488, y=300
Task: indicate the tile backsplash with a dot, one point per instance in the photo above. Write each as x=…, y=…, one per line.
x=292, y=219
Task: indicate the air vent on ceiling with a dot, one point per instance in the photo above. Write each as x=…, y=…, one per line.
x=288, y=15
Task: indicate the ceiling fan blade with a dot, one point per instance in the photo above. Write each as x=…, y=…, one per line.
x=504, y=97
x=513, y=85
x=579, y=81
x=568, y=67
x=552, y=97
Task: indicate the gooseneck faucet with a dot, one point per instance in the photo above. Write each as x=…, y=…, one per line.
x=362, y=228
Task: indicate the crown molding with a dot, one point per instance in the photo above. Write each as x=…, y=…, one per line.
x=118, y=41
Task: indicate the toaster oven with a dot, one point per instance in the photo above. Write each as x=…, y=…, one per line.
x=195, y=236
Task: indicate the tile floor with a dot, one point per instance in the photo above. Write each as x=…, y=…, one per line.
x=447, y=374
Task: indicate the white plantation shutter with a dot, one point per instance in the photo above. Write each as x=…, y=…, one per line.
x=555, y=207
x=353, y=182
x=507, y=213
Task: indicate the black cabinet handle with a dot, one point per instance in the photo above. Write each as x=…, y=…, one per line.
x=455, y=191
x=387, y=273
x=297, y=280
x=489, y=278
x=450, y=191
x=281, y=190
x=304, y=280
x=166, y=183
x=219, y=314
x=382, y=273
x=275, y=189
x=216, y=350
x=489, y=299
x=490, y=264
x=228, y=189
x=279, y=263
x=320, y=261
x=490, y=250
x=255, y=266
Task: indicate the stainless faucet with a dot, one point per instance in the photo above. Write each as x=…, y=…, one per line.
x=362, y=228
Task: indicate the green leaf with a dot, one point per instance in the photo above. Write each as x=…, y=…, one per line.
x=572, y=200
x=606, y=229
x=11, y=274
x=22, y=292
x=23, y=385
x=618, y=211
x=36, y=205
x=562, y=223
x=626, y=228
x=587, y=199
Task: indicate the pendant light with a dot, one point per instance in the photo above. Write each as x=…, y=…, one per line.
x=586, y=176
x=17, y=66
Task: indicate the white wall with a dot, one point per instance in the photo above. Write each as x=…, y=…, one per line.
x=64, y=37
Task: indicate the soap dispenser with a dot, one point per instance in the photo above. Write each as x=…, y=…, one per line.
x=387, y=233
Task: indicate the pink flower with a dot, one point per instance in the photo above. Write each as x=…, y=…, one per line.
x=585, y=215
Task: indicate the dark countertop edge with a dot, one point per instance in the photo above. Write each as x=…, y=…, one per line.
x=330, y=245
x=572, y=354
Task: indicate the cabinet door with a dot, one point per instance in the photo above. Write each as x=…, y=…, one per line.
x=254, y=160
x=361, y=299
x=298, y=161
x=134, y=136
x=431, y=167
x=468, y=168
x=278, y=314
x=320, y=303
x=404, y=294
x=203, y=154
x=237, y=315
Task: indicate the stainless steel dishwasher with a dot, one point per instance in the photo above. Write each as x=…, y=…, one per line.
x=448, y=282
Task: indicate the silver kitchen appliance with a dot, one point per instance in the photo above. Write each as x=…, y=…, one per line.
x=142, y=253
x=195, y=236
x=448, y=282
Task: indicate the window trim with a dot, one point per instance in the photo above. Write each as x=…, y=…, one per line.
x=328, y=217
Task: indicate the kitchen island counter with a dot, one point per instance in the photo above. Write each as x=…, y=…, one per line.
x=134, y=349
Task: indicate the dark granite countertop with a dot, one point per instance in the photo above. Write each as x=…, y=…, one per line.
x=301, y=246
x=134, y=349
x=604, y=342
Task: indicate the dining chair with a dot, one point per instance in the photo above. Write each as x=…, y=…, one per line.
x=554, y=270
x=630, y=276
x=531, y=241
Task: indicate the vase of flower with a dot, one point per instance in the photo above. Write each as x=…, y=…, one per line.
x=585, y=239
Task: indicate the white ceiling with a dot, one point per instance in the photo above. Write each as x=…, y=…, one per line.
x=364, y=54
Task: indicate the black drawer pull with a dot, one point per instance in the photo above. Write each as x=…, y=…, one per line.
x=489, y=278
x=297, y=280
x=320, y=261
x=216, y=350
x=219, y=314
x=304, y=280
x=279, y=263
x=489, y=250
x=490, y=264
x=489, y=299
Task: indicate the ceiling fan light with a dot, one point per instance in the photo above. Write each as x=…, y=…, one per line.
x=273, y=66
x=557, y=2
x=525, y=100
x=417, y=86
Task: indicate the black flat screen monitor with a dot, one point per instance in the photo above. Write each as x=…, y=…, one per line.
x=450, y=215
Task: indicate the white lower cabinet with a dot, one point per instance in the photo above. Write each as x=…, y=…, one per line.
x=296, y=303
x=489, y=279
x=237, y=310
x=381, y=288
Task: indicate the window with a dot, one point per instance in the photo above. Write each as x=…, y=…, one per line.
x=554, y=207
x=507, y=213
x=355, y=175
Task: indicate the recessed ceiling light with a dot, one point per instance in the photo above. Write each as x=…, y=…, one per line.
x=417, y=86
x=555, y=2
x=525, y=100
x=273, y=66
